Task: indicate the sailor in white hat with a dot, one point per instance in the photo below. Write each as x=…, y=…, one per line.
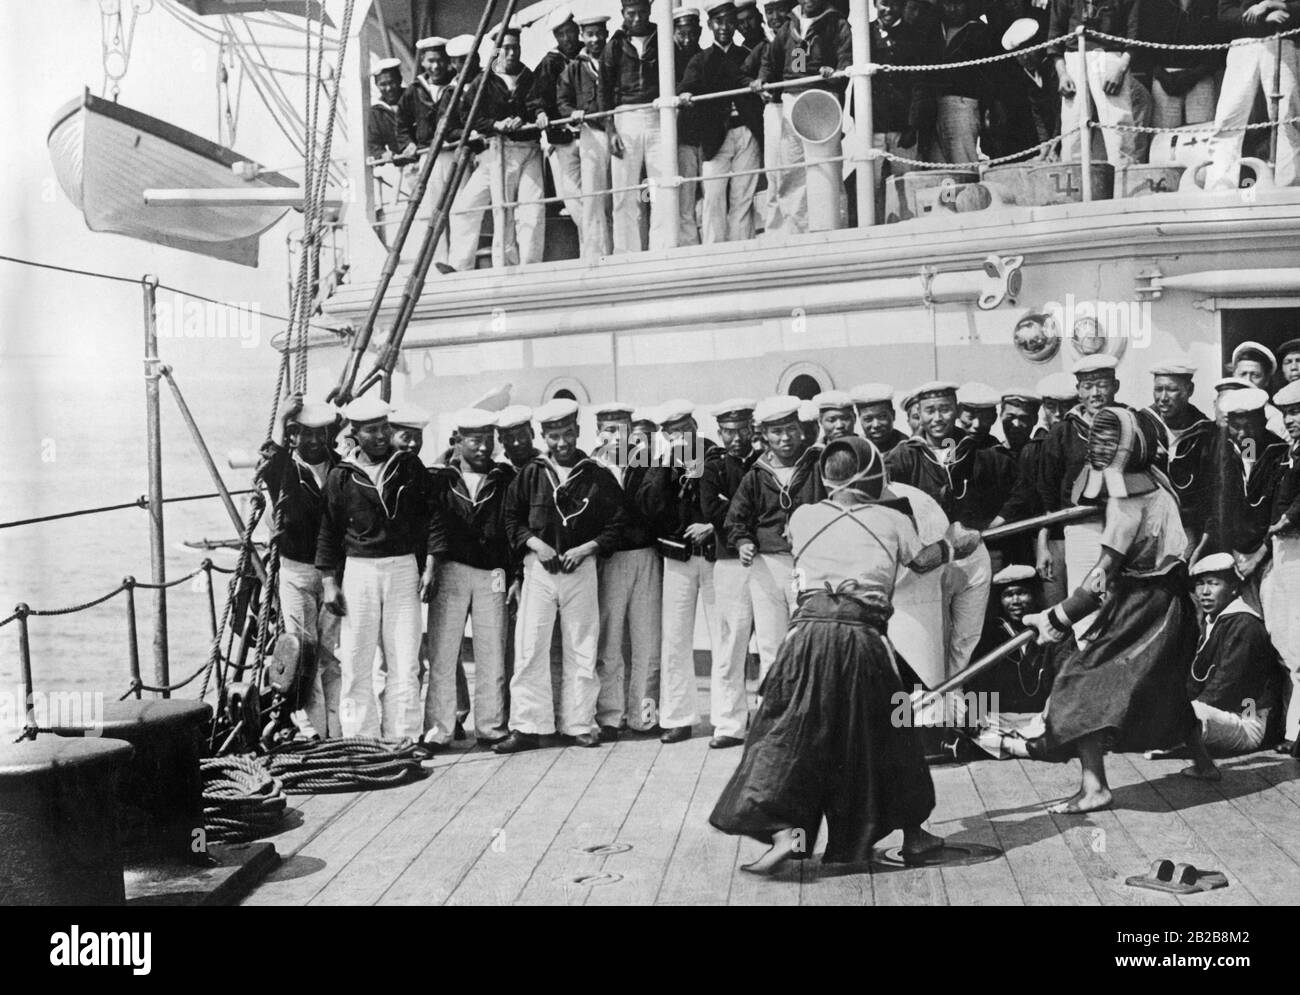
x=564, y=510
x=686, y=41
x=836, y=416
x=1255, y=462
x=383, y=139
x=423, y=104
x=1060, y=393
x=408, y=422
x=1190, y=440
x=470, y=573
x=515, y=427
x=578, y=92
x=373, y=530
x=977, y=411
x=782, y=478
x=295, y=465
x=1016, y=463
x=875, y=409
x=1279, y=586
x=630, y=585
x=1255, y=363
x=559, y=141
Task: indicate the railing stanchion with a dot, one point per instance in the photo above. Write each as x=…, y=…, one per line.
x=212, y=597
x=1275, y=99
x=25, y=663
x=665, y=196
x=157, y=546
x=132, y=637
x=864, y=180
x=1083, y=99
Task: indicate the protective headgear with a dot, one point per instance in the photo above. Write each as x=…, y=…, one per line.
x=1123, y=447
x=869, y=477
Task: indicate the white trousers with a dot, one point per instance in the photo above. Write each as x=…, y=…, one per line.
x=729, y=203
x=966, y=585
x=593, y=151
x=1196, y=106
x=685, y=584
x=772, y=219
x=465, y=591
x=574, y=596
x=957, y=128
x=443, y=169
x=1111, y=108
x=382, y=604
x=918, y=629
x=771, y=595
x=631, y=592
x=688, y=167
x=792, y=184
x=510, y=171
x=1250, y=64
x=1082, y=551
x=565, y=162
x=1227, y=732
x=639, y=130
x=1277, y=595
x=301, y=591
x=734, y=610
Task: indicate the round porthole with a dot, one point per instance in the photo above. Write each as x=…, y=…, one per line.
x=1037, y=336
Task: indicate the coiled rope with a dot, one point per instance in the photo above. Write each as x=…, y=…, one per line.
x=352, y=764
x=241, y=800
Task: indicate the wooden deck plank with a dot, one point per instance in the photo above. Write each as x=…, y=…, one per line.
x=504, y=868
x=701, y=865
x=317, y=813
x=652, y=826
x=1282, y=772
x=1041, y=862
x=781, y=888
x=451, y=851
x=595, y=820
x=1101, y=844
x=959, y=816
x=363, y=880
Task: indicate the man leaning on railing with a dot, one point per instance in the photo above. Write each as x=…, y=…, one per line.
x=1106, y=74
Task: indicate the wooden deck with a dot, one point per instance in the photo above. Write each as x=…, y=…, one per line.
x=483, y=829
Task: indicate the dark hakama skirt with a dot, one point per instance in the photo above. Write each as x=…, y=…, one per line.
x=1129, y=683
x=829, y=739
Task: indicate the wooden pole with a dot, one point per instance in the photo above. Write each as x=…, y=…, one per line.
x=1083, y=98
x=157, y=545
x=864, y=180
x=665, y=204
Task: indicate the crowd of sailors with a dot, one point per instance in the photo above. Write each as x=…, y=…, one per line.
x=528, y=117
x=383, y=558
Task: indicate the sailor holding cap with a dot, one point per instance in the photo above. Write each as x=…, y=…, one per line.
x=578, y=92
x=784, y=477
x=1279, y=586
x=470, y=572
x=562, y=510
x=382, y=138
x=558, y=140
x=295, y=465
x=374, y=530
x=1190, y=438
x=875, y=409
x=1028, y=90
x=724, y=469
x=730, y=131
x=630, y=585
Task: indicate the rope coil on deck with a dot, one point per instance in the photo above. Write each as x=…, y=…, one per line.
x=351, y=764
x=241, y=800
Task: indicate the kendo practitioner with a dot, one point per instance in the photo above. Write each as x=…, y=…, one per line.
x=562, y=511
x=669, y=498
x=471, y=572
x=1282, y=581
x=559, y=140
x=630, y=582
x=1190, y=441
x=724, y=469
x=875, y=408
x=374, y=530
x=1123, y=686
x=295, y=465
x=730, y=131
x=827, y=742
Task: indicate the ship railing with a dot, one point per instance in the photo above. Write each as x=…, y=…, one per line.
x=863, y=152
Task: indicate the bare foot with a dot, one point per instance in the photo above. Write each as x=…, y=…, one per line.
x=1084, y=801
x=783, y=847
x=1202, y=772
x=917, y=843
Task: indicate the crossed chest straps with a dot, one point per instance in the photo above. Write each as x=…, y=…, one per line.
x=843, y=513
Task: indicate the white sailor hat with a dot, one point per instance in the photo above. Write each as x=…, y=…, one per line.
x=719, y=7
x=1021, y=32
x=1099, y=363
x=1255, y=350
x=1058, y=387
x=909, y=399
x=734, y=410
x=1173, y=368
x=460, y=46
x=514, y=416
x=1215, y=563
x=977, y=395
x=872, y=393
x=646, y=416
x=685, y=12
x=808, y=411
x=613, y=411
x=474, y=420
x=316, y=414
x=1016, y=573
x=1242, y=401
x=559, y=17
x=678, y=409
x=383, y=65
x=365, y=409
x=936, y=388
x=1231, y=383
x=1288, y=395
x=593, y=19
x=557, y=412
x=409, y=416
x=768, y=3
x=434, y=41
x=1019, y=396
x=833, y=400
x=773, y=410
